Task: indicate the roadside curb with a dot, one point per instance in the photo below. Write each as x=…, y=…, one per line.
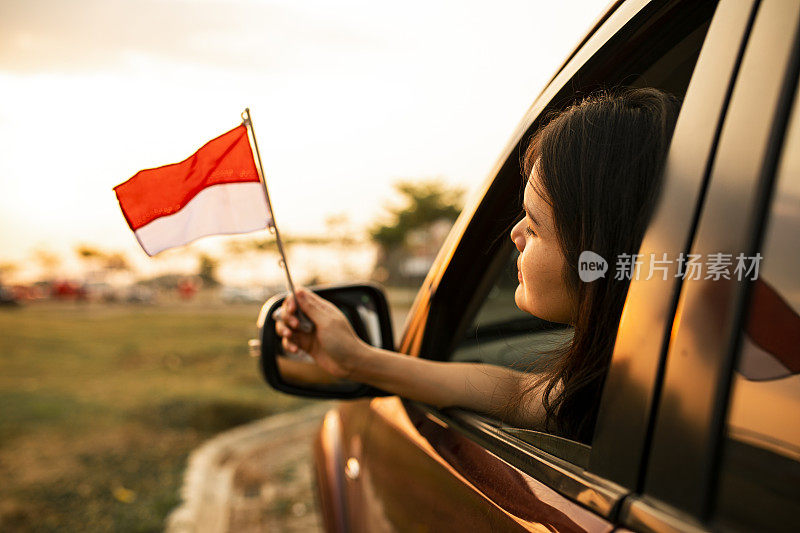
x=208, y=483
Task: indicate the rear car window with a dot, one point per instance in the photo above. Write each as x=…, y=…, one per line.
x=759, y=486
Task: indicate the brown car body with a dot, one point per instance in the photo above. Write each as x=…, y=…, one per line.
x=662, y=458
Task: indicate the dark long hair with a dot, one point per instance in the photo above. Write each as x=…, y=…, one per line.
x=599, y=163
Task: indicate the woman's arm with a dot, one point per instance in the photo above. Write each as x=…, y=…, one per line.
x=484, y=388
x=335, y=347
x=303, y=372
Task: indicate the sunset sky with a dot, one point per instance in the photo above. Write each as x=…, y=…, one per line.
x=347, y=97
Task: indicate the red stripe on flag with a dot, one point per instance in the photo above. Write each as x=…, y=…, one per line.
x=157, y=192
x=774, y=326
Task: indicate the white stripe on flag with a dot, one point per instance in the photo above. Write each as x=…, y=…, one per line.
x=757, y=364
x=220, y=209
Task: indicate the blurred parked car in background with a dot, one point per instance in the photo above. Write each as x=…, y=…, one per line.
x=242, y=295
x=7, y=297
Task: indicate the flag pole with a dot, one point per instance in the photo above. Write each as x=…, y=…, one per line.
x=305, y=323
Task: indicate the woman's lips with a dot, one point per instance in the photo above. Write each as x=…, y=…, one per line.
x=519, y=276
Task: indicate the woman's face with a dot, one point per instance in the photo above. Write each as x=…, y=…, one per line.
x=542, y=291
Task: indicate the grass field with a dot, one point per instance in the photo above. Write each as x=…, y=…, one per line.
x=101, y=404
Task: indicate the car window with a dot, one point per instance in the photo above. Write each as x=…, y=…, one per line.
x=502, y=334
x=761, y=453
x=496, y=331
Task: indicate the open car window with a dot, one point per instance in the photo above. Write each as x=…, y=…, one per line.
x=493, y=330
x=502, y=334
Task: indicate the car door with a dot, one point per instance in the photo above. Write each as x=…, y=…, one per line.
x=421, y=468
x=758, y=477
x=687, y=480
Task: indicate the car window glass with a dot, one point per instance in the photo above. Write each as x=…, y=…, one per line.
x=761, y=456
x=497, y=332
x=502, y=334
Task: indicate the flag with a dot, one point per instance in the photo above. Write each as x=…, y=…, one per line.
x=214, y=191
x=771, y=344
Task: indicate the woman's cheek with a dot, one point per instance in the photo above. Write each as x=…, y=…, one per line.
x=520, y=298
x=526, y=291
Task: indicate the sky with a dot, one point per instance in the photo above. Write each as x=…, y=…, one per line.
x=347, y=98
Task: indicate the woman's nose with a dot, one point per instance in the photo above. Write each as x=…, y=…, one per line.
x=517, y=237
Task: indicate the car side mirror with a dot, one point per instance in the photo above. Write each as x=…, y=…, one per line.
x=366, y=308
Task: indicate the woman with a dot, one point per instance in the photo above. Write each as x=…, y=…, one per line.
x=592, y=177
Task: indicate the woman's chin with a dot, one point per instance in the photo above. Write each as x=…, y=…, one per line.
x=519, y=299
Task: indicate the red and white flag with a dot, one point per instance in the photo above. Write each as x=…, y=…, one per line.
x=771, y=344
x=214, y=191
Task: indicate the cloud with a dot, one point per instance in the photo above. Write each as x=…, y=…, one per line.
x=58, y=36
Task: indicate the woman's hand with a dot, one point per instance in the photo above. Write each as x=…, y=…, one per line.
x=333, y=344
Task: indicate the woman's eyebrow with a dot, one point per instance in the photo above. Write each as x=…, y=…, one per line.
x=528, y=212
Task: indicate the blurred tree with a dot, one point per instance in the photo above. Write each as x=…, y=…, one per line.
x=340, y=229
x=242, y=247
x=116, y=261
x=268, y=244
x=92, y=258
x=207, y=270
x=100, y=262
x=88, y=253
x=426, y=204
x=7, y=270
x=47, y=261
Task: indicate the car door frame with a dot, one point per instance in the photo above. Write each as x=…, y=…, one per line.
x=682, y=466
x=604, y=485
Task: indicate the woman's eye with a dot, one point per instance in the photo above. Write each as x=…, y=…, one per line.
x=529, y=231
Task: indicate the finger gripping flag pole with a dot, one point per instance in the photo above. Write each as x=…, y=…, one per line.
x=305, y=324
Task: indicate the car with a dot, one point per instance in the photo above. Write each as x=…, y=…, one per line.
x=232, y=295
x=699, y=420
x=7, y=297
